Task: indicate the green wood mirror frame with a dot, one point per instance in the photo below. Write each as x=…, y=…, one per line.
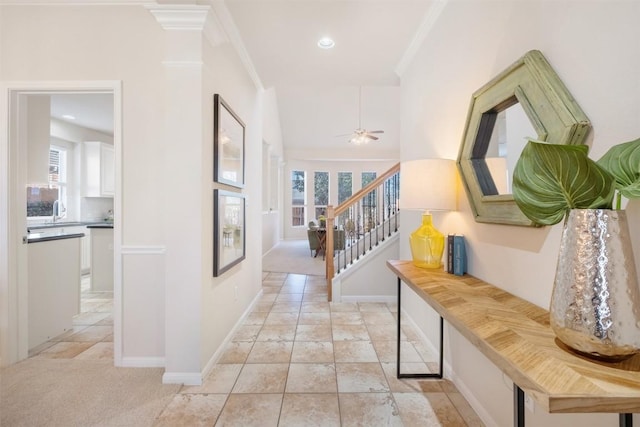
x=554, y=114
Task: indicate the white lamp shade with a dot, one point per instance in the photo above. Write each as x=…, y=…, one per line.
x=428, y=184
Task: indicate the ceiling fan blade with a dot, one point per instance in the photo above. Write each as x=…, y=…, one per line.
x=375, y=138
x=376, y=131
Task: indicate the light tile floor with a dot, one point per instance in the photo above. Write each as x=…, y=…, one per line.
x=298, y=360
x=92, y=333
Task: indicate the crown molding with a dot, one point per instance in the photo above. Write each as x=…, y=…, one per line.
x=427, y=24
x=228, y=25
x=73, y=2
x=218, y=27
x=180, y=17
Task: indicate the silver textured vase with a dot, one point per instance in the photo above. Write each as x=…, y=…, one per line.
x=595, y=306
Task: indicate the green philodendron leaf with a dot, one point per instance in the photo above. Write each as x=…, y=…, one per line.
x=623, y=162
x=551, y=179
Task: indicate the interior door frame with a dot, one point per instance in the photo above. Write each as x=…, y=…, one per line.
x=13, y=264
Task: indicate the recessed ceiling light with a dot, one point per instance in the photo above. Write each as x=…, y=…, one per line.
x=326, y=43
x=68, y=117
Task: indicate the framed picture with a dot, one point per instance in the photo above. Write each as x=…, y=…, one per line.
x=228, y=144
x=228, y=230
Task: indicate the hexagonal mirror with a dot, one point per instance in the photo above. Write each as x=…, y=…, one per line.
x=527, y=100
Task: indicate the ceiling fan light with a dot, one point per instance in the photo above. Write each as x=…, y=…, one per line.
x=359, y=139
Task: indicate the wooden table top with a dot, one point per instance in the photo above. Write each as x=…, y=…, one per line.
x=516, y=336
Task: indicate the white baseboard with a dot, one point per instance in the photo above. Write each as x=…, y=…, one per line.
x=369, y=298
x=451, y=375
x=475, y=404
x=186, y=378
x=214, y=358
x=191, y=378
x=142, y=362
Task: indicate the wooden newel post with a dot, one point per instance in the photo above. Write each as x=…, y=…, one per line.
x=331, y=220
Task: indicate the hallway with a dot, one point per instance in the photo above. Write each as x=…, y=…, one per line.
x=298, y=360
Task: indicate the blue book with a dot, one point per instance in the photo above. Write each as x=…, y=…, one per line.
x=450, y=253
x=459, y=255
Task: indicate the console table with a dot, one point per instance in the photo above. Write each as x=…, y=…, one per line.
x=516, y=336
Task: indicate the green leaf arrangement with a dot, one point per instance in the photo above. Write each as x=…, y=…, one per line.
x=623, y=162
x=551, y=179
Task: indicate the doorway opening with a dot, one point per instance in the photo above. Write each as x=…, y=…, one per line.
x=79, y=122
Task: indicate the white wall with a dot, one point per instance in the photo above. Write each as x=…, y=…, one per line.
x=79, y=44
x=225, y=298
x=333, y=167
x=593, y=47
x=174, y=313
x=373, y=281
x=273, y=158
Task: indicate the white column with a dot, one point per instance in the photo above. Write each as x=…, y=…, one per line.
x=182, y=187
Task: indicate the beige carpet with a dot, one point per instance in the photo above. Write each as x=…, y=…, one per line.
x=68, y=392
x=293, y=256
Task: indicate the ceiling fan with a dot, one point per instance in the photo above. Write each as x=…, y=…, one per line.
x=361, y=136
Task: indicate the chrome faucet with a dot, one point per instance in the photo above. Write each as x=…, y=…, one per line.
x=56, y=211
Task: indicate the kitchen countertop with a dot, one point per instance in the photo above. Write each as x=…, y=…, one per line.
x=48, y=231
x=68, y=224
x=45, y=237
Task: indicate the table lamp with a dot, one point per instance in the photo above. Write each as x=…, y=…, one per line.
x=428, y=185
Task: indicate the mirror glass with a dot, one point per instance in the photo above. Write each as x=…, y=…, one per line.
x=510, y=133
x=527, y=100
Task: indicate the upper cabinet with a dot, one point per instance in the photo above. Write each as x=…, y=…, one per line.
x=107, y=170
x=98, y=169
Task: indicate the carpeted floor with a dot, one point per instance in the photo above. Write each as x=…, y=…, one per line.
x=293, y=256
x=69, y=392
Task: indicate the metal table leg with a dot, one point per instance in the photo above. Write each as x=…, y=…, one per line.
x=626, y=420
x=439, y=375
x=518, y=406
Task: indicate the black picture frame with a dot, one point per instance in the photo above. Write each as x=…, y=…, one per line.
x=229, y=230
x=228, y=144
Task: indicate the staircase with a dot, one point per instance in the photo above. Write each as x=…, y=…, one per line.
x=368, y=218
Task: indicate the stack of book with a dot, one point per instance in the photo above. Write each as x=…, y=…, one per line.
x=456, y=255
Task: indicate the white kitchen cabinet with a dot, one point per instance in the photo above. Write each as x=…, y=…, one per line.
x=53, y=288
x=85, y=252
x=98, y=169
x=85, y=247
x=107, y=170
x=85, y=242
x=101, y=259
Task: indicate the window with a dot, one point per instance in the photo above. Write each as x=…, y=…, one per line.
x=320, y=193
x=297, y=198
x=41, y=199
x=345, y=186
x=367, y=178
x=369, y=203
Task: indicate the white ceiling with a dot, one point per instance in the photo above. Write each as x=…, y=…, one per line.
x=318, y=90
x=91, y=110
x=371, y=37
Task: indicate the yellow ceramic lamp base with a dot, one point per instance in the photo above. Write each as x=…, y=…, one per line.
x=427, y=244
